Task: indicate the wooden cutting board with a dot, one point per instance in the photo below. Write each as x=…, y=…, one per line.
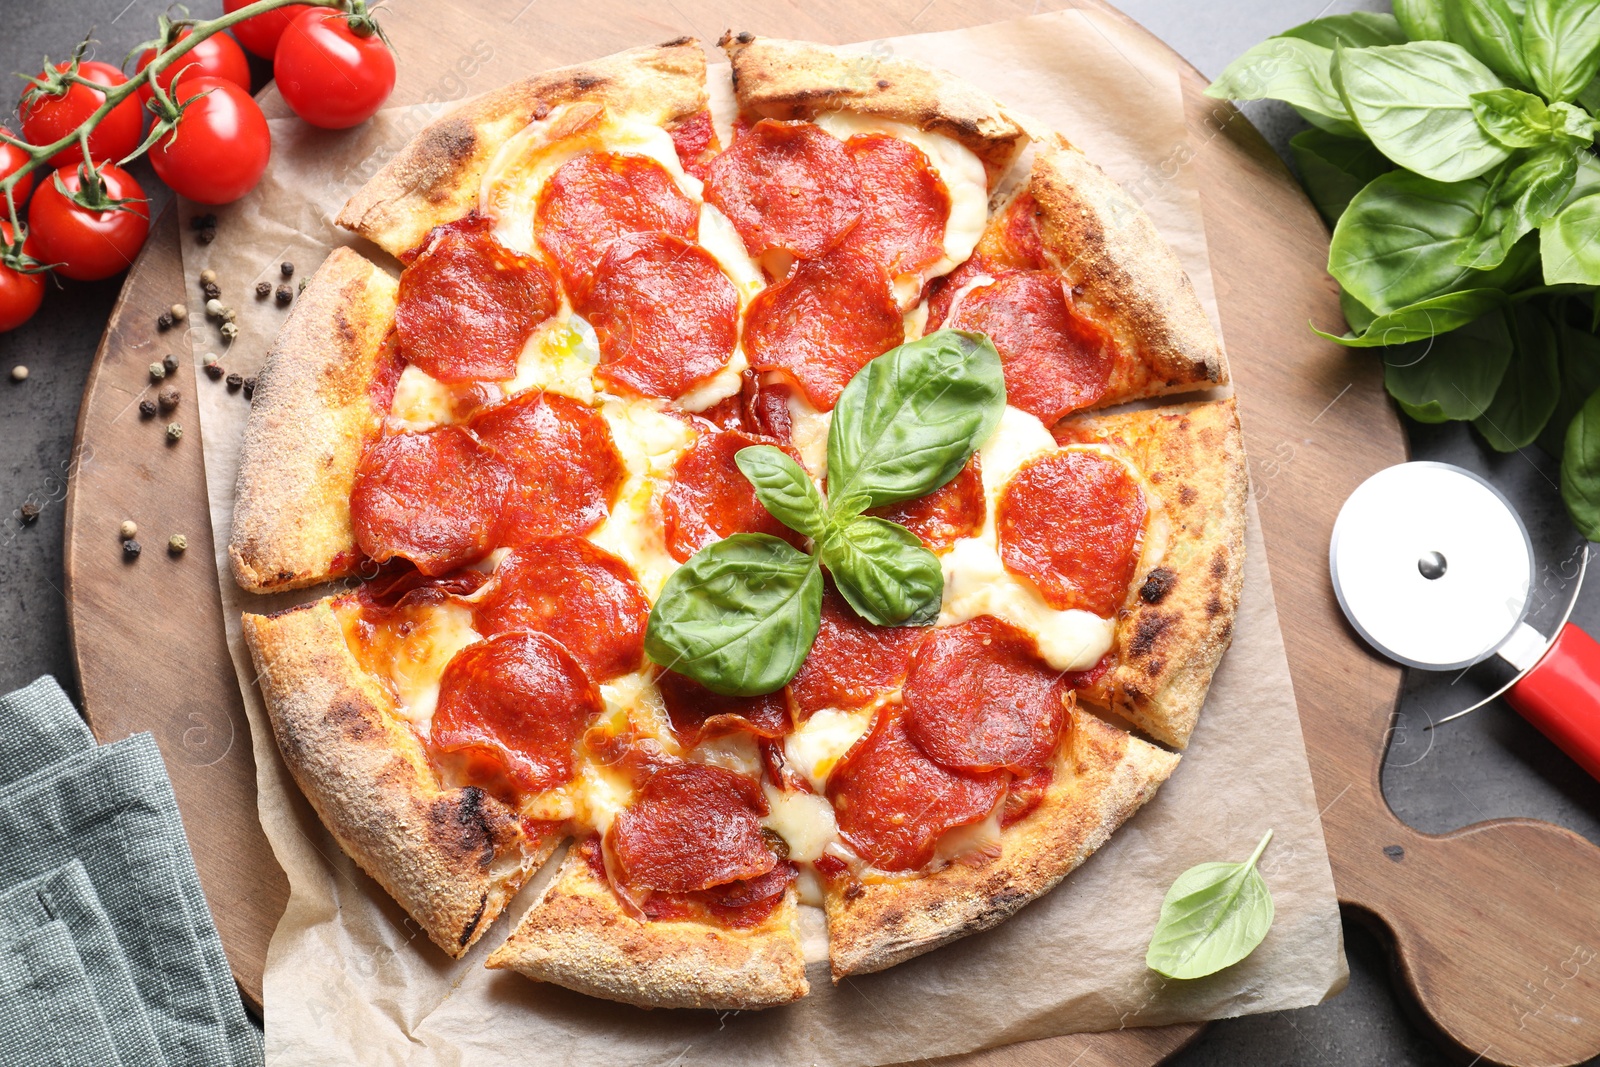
x=1495, y=926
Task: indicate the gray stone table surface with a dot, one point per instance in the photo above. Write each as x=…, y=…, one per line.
x=1487, y=766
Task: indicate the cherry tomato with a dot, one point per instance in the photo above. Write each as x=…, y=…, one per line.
x=82, y=243
x=330, y=75
x=220, y=147
x=20, y=292
x=215, y=57
x=259, y=34
x=11, y=160
x=47, y=118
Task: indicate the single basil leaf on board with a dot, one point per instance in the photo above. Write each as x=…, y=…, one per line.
x=1414, y=102
x=1214, y=915
x=1358, y=29
x=910, y=419
x=1491, y=31
x=1589, y=97
x=1569, y=246
x=1514, y=118
x=1334, y=169
x=1579, y=354
x=884, y=571
x=1561, y=42
x=1525, y=193
x=1422, y=20
x=1424, y=319
x=784, y=488
x=1452, y=377
x=1294, y=71
x=1527, y=395
x=1357, y=314
x=1580, y=469
x=739, y=617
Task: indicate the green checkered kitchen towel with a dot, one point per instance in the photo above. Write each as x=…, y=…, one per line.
x=113, y=808
x=48, y=1010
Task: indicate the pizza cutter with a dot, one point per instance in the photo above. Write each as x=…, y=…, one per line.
x=1434, y=568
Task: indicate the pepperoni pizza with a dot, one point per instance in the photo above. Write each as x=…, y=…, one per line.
x=504, y=447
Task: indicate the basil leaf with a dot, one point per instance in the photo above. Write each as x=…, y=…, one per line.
x=884, y=571
x=1490, y=30
x=1358, y=29
x=1214, y=915
x=1414, y=102
x=1334, y=169
x=1580, y=469
x=1528, y=393
x=1589, y=97
x=739, y=617
x=1422, y=20
x=1424, y=319
x=1357, y=314
x=1524, y=194
x=1568, y=244
x=1514, y=118
x=1451, y=377
x=1579, y=354
x=1561, y=40
x=910, y=419
x=1294, y=71
x=784, y=488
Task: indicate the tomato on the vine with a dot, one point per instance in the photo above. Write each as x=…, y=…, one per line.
x=89, y=243
x=11, y=160
x=334, y=70
x=21, y=292
x=259, y=34
x=48, y=117
x=220, y=147
x=215, y=57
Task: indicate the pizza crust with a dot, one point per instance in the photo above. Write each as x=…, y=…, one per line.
x=435, y=178
x=452, y=857
x=798, y=80
x=1103, y=776
x=1123, y=274
x=578, y=935
x=310, y=419
x=1178, y=623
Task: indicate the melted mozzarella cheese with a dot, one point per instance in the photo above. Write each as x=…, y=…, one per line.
x=804, y=820
x=650, y=442
x=822, y=741
x=559, y=357
x=975, y=841
x=808, y=432
x=597, y=795
x=721, y=385
x=958, y=168
x=413, y=655
x=421, y=401
x=718, y=237
x=635, y=699
x=734, y=752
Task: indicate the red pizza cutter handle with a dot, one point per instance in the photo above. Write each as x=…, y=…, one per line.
x=1561, y=696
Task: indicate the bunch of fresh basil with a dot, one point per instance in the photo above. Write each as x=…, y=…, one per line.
x=1452, y=152
x=741, y=614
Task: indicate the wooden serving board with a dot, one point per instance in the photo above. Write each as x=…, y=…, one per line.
x=1493, y=925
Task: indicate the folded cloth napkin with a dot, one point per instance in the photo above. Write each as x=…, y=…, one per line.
x=113, y=808
x=106, y=1005
x=48, y=1011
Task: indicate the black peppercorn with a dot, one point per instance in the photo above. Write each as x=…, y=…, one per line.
x=167, y=399
x=211, y=289
x=285, y=294
x=207, y=235
x=147, y=409
x=169, y=363
x=263, y=290
x=286, y=269
x=164, y=321
x=249, y=388
x=131, y=549
x=29, y=513
x=214, y=371
x=235, y=381
x=208, y=221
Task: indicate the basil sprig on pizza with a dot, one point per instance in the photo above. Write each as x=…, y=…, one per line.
x=822, y=386
x=741, y=616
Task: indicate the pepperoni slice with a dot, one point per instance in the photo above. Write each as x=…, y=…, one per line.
x=468, y=304
x=1019, y=239
x=710, y=498
x=765, y=408
x=1055, y=361
x=893, y=803
x=579, y=594
x=564, y=469
x=666, y=316
x=697, y=713
x=1025, y=795
x=823, y=323
x=942, y=291
x=1072, y=523
x=905, y=204
x=520, y=700
x=593, y=199
x=692, y=827
x=788, y=185
x=977, y=698
x=695, y=140
x=954, y=510
x=1092, y=677
x=433, y=498
x=852, y=662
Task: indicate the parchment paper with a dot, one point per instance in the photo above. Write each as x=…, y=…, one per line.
x=351, y=979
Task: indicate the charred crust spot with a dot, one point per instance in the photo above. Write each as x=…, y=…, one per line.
x=472, y=923
x=461, y=825
x=349, y=714
x=1187, y=494
x=678, y=42
x=854, y=890
x=745, y=37
x=585, y=82
x=541, y=111
x=1157, y=585
x=894, y=917
x=1147, y=633
x=1007, y=899
x=1155, y=667
x=1219, y=566
x=1213, y=606
x=883, y=83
